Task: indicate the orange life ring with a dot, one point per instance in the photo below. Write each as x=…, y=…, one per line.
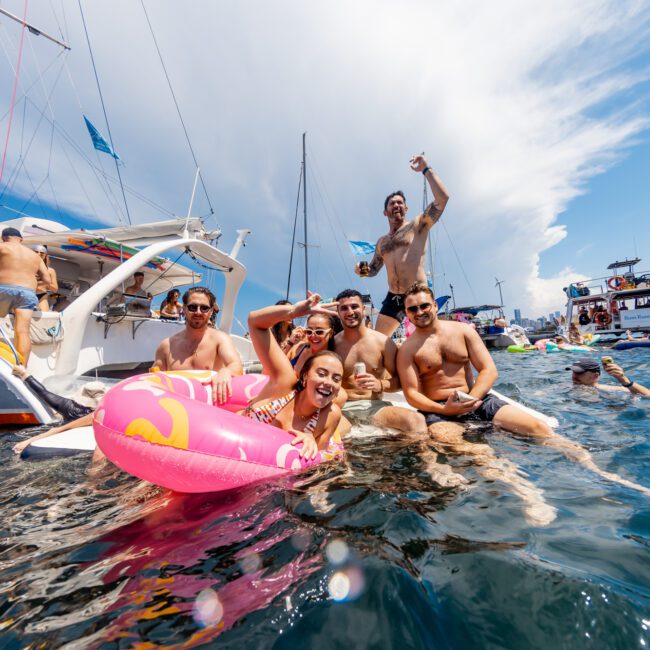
x=616, y=282
x=602, y=318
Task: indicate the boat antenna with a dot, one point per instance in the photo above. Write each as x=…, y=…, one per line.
x=304, y=209
x=498, y=284
x=101, y=97
x=189, y=209
x=293, y=237
x=425, y=202
x=178, y=110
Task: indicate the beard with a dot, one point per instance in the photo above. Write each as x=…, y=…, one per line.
x=196, y=325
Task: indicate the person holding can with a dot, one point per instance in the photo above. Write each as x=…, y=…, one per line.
x=369, y=370
x=402, y=249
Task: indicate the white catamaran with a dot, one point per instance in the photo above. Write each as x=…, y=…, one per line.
x=87, y=337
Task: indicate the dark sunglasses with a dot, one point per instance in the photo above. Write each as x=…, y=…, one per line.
x=425, y=306
x=318, y=332
x=194, y=308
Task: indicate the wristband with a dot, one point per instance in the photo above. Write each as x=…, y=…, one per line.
x=628, y=385
x=426, y=169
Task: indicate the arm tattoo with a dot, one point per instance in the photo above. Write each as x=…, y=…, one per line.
x=375, y=265
x=432, y=213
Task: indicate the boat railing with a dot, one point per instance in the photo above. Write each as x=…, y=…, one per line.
x=600, y=285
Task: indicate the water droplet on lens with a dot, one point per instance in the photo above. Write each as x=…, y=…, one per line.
x=339, y=586
x=337, y=551
x=301, y=539
x=207, y=609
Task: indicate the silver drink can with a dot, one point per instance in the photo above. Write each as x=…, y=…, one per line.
x=359, y=368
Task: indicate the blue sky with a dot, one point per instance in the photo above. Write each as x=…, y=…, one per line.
x=534, y=114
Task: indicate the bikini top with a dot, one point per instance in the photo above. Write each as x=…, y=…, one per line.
x=294, y=361
x=266, y=412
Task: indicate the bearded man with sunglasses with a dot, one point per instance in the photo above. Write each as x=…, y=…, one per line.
x=402, y=248
x=200, y=346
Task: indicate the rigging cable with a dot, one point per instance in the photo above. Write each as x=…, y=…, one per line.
x=295, y=224
x=178, y=110
x=101, y=97
x=13, y=96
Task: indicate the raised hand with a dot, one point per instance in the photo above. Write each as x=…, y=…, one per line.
x=418, y=163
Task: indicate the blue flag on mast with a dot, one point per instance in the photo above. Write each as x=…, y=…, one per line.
x=98, y=140
x=362, y=247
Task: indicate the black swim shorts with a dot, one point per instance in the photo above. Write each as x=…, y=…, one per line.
x=393, y=306
x=485, y=412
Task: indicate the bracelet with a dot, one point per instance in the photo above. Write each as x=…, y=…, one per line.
x=628, y=385
x=426, y=169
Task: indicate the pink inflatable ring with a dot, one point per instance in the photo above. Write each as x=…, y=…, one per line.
x=162, y=427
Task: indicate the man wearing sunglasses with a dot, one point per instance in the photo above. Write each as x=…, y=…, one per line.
x=358, y=344
x=402, y=249
x=436, y=362
x=201, y=347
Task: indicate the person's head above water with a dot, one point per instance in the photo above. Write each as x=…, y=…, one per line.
x=199, y=305
x=585, y=372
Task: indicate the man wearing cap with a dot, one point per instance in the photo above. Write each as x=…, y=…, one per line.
x=21, y=269
x=586, y=372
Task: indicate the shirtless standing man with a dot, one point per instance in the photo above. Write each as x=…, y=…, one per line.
x=360, y=344
x=201, y=347
x=402, y=249
x=434, y=363
x=21, y=269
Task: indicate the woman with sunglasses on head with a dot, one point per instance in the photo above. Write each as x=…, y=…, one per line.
x=42, y=287
x=304, y=407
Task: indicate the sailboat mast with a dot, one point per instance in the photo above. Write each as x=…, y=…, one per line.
x=425, y=202
x=304, y=210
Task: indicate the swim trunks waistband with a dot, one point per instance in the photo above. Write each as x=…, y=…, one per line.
x=16, y=297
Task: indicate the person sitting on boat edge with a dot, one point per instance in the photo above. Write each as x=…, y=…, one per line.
x=433, y=368
x=357, y=344
x=402, y=248
x=76, y=411
x=586, y=372
x=170, y=309
x=201, y=347
x=21, y=269
x=304, y=407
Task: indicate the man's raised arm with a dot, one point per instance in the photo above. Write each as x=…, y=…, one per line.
x=434, y=210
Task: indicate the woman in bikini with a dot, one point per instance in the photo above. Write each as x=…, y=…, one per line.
x=43, y=287
x=304, y=407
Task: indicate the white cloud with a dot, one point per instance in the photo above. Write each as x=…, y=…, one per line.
x=517, y=104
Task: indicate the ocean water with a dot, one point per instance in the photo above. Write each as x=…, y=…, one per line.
x=370, y=553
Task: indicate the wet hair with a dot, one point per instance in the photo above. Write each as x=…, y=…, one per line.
x=335, y=325
x=391, y=195
x=203, y=291
x=276, y=330
x=349, y=293
x=418, y=287
x=138, y=273
x=300, y=384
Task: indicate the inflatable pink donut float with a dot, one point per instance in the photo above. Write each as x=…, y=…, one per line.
x=163, y=428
